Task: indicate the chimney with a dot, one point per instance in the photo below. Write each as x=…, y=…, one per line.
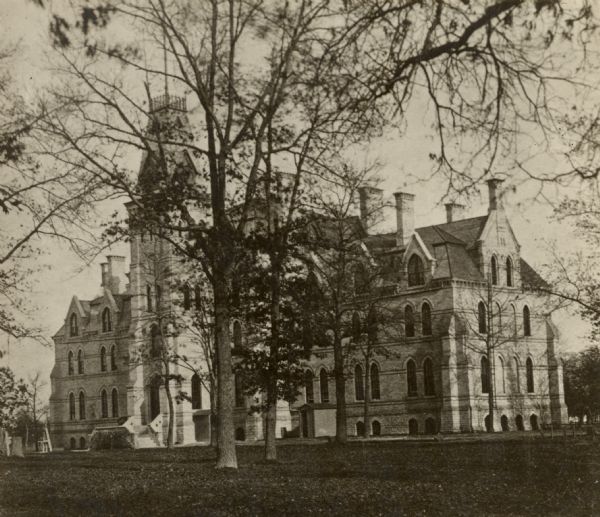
x=405, y=217
x=114, y=276
x=494, y=185
x=371, y=207
x=454, y=212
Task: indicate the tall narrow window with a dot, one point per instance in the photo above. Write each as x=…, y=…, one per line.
x=71, y=406
x=240, y=399
x=237, y=335
x=80, y=367
x=196, y=392
x=155, y=341
x=428, y=381
x=409, y=321
x=308, y=386
x=482, y=318
x=149, y=298
x=501, y=378
x=113, y=358
x=324, y=385
x=509, y=272
x=115, y=402
x=485, y=375
x=81, y=405
x=375, y=389
x=70, y=363
x=103, y=359
x=526, y=321
x=106, y=321
x=411, y=378
x=186, y=297
x=104, y=403
x=359, y=386
x=197, y=298
x=497, y=319
x=416, y=271
x=515, y=325
x=426, y=319
x=158, y=296
x=73, y=326
x=517, y=376
x=356, y=327
x=529, y=368
x=494, y=270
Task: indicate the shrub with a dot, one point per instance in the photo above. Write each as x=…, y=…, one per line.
x=117, y=438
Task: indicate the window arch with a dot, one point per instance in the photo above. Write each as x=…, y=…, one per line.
x=409, y=321
x=149, y=298
x=376, y=428
x=356, y=327
x=413, y=426
x=113, y=357
x=494, y=270
x=308, y=386
x=196, y=392
x=529, y=371
x=70, y=366
x=80, y=365
x=82, y=443
x=411, y=378
x=416, y=271
x=186, y=297
x=485, y=375
x=360, y=278
x=360, y=428
x=71, y=406
x=497, y=319
x=324, y=385
x=103, y=359
x=73, y=443
x=426, y=319
x=197, y=298
x=81, y=405
x=509, y=272
x=526, y=321
x=375, y=388
x=501, y=375
x=104, y=403
x=482, y=318
x=155, y=343
x=106, y=320
x=517, y=375
x=359, y=386
x=237, y=334
x=115, y=402
x=73, y=325
x=428, y=379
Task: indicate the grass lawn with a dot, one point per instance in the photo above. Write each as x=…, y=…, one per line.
x=520, y=477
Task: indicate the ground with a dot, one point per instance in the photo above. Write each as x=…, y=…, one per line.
x=525, y=476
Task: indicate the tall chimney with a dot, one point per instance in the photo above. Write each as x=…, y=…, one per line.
x=105, y=275
x=454, y=212
x=405, y=217
x=371, y=207
x=114, y=276
x=493, y=189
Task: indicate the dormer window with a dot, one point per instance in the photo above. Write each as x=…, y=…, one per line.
x=73, y=325
x=416, y=271
x=509, y=272
x=106, y=321
x=494, y=271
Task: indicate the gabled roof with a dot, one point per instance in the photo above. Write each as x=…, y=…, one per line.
x=465, y=232
x=530, y=277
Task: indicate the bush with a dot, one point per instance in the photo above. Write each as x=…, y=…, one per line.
x=118, y=438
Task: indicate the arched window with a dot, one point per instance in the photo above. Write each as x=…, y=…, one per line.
x=426, y=319
x=149, y=298
x=428, y=377
x=501, y=376
x=113, y=358
x=517, y=376
x=514, y=321
x=104, y=403
x=81, y=405
x=509, y=272
x=71, y=406
x=360, y=428
x=411, y=378
x=360, y=279
x=196, y=392
x=106, y=321
x=413, y=426
x=533, y=421
x=356, y=327
x=237, y=335
x=416, y=271
x=376, y=427
x=115, y=402
x=308, y=386
x=73, y=443
x=240, y=399
x=324, y=385
x=504, y=423
x=497, y=319
x=485, y=375
x=526, y=321
x=186, y=297
x=80, y=366
x=73, y=325
x=494, y=270
x=430, y=425
x=71, y=367
x=359, y=387
x=103, y=359
x=482, y=318
x=519, y=423
x=529, y=371
x=197, y=298
x=155, y=341
x=82, y=443
x=375, y=389
x=409, y=321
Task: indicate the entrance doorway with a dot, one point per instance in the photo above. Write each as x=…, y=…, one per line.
x=533, y=419
x=519, y=422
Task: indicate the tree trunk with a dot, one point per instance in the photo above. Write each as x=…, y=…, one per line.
x=271, y=430
x=170, y=427
x=214, y=414
x=367, y=390
x=226, y=453
x=341, y=430
x=490, y=356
